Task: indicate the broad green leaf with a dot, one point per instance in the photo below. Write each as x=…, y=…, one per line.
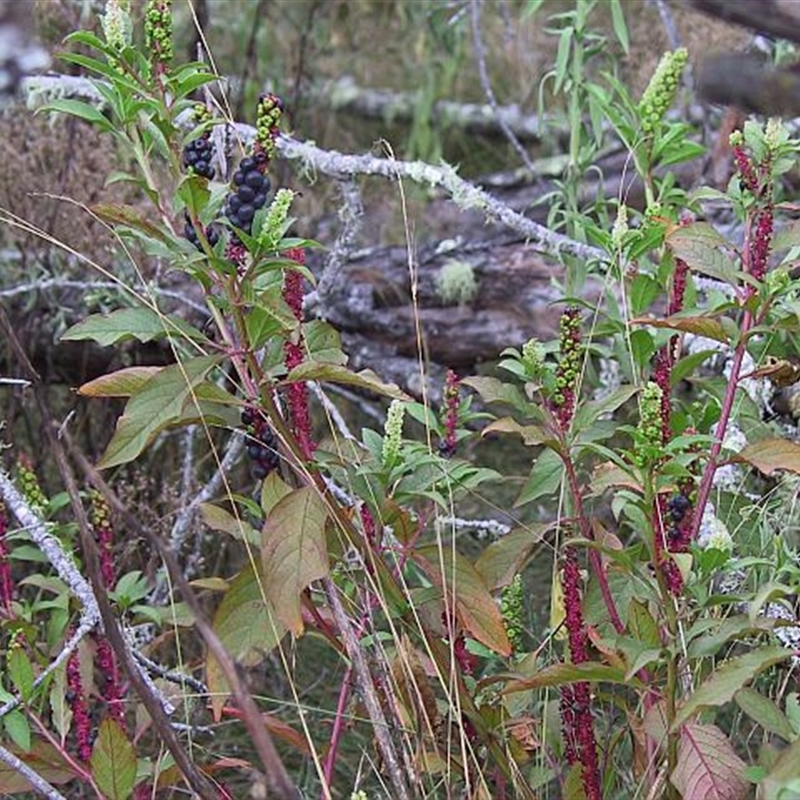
x=323, y=342
x=587, y=413
x=122, y=383
x=247, y=626
x=642, y=624
x=218, y=519
x=113, y=761
x=544, y=480
x=727, y=679
x=700, y=246
x=19, y=730
x=294, y=552
x=561, y=674
x=771, y=455
x=365, y=379
x=44, y=759
x=764, y=712
x=20, y=671
x=273, y=490
x=78, y=108
x=504, y=558
x=710, y=327
x=708, y=767
x=152, y=409
x=493, y=390
x=476, y=608
x=140, y=323
x=787, y=237
x=702, y=643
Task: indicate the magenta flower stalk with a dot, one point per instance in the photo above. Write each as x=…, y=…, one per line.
x=576, y=710
x=6, y=580
x=81, y=722
x=294, y=355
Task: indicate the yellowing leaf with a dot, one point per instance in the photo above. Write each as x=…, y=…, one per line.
x=504, y=558
x=710, y=327
x=248, y=628
x=476, y=608
x=294, y=552
x=335, y=373
x=218, y=519
x=560, y=674
x=44, y=759
x=122, y=383
x=113, y=761
x=531, y=434
x=771, y=455
x=153, y=408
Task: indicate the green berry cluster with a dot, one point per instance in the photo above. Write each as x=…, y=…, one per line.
x=513, y=611
x=650, y=422
x=30, y=486
x=569, y=365
x=158, y=30
x=533, y=356
x=116, y=23
x=392, y=433
x=273, y=228
x=268, y=117
x=99, y=512
x=660, y=92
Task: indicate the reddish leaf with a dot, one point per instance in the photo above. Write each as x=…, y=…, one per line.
x=531, y=434
x=113, y=761
x=708, y=767
x=560, y=674
x=770, y=455
x=294, y=552
x=476, y=608
x=122, y=383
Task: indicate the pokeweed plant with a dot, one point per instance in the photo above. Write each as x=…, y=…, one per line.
x=353, y=539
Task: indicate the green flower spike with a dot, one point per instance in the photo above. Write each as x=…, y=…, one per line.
x=158, y=31
x=661, y=90
x=392, y=433
x=116, y=23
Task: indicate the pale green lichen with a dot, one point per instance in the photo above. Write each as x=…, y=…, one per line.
x=456, y=284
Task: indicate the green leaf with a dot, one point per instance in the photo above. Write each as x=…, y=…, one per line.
x=699, y=246
x=218, y=519
x=127, y=216
x=477, y=610
x=504, y=558
x=783, y=776
x=727, y=679
x=122, y=383
x=764, y=712
x=493, y=390
x=546, y=476
x=113, y=761
x=20, y=671
x=620, y=28
x=643, y=292
x=82, y=110
x=324, y=343
x=273, y=490
x=770, y=455
x=152, y=409
x=141, y=323
x=707, y=766
x=587, y=413
x=294, y=552
x=18, y=729
x=365, y=379
x=561, y=674
x=247, y=626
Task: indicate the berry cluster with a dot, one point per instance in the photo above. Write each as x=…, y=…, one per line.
x=197, y=156
x=262, y=448
x=251, y=191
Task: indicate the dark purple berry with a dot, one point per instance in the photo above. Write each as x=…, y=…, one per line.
x=246, y=213
x=245, y=194
x=254, y=180
x=248, y=417
x=247, y=164
x=259, y=471
x=235, y=203
x=260, y=200
x=238, y=177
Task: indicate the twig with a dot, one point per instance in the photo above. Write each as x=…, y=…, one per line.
x=58, y=558
x=486, y=84
x=37, y=781
x=367, y=691
x=171, y=675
